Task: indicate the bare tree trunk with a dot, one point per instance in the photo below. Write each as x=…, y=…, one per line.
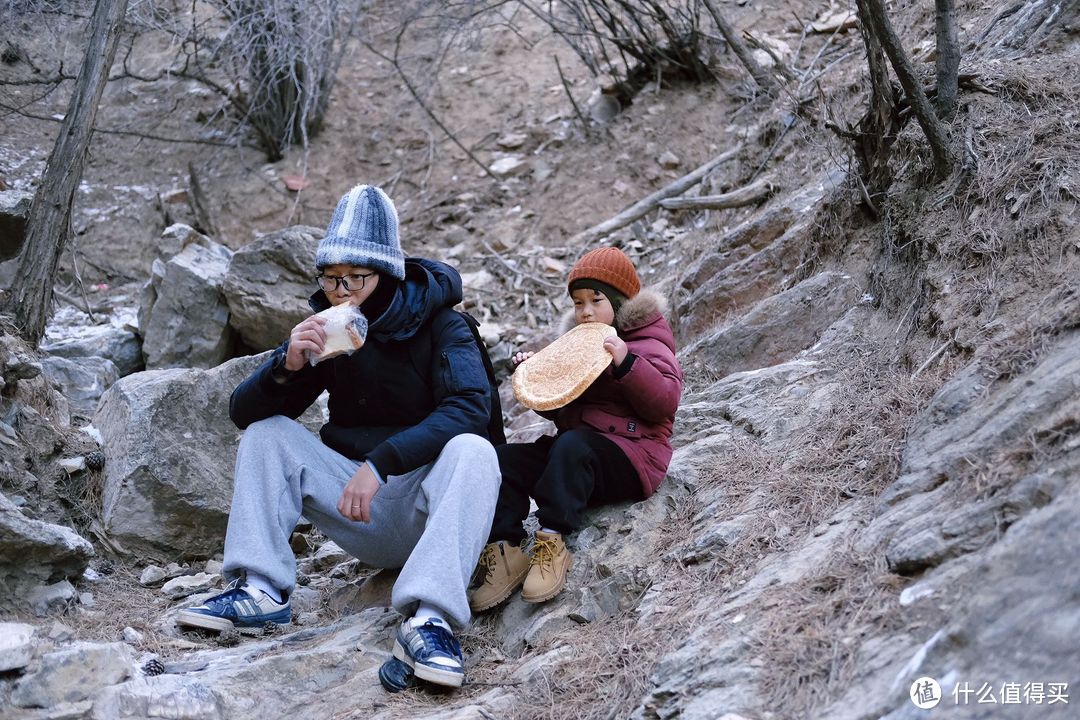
x=48, y=228
x=878, y=127
x=764, y=80
x=872, y=14
x=948, y=59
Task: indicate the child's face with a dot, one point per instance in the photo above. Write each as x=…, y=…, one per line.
x=592, y=306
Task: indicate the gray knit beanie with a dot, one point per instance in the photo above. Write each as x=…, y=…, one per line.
x=364, y=232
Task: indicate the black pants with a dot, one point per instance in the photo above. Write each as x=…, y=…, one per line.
x=564, y=474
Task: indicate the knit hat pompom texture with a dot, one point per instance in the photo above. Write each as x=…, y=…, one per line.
x=610, y=266
x=363, y=232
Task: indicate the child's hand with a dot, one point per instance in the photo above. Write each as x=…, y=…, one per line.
x=617, y=348
x=522, y=357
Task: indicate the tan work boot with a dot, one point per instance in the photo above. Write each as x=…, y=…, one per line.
x=548, y=568
x=504, y=567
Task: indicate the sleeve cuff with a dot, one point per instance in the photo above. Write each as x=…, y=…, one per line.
x=624, y=368
x=375, y=470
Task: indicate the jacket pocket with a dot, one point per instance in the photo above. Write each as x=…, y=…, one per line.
x=611, y=424
x=463, y=371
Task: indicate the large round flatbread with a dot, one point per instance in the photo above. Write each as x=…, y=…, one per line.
x=558, y=374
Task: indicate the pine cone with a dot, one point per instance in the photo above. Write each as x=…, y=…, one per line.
x=153, y=667
x=270, y=628
x=228, y=638
x=95, y=461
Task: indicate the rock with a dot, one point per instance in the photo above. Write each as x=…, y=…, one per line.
x=81, y=381
x=61, y=633
x=44, y=598
x=16, y=646
x=306, y=599
x=186, y=585
x=14, y=211
x=751, y=261
x=268, y=284
x=669, y=160
x=778, y=327
x=74, y=674
x=329, y=555
x=188, y=324
x=87, y=600
x=113, y=338
x=511, y=141
x=132, y=636
x=171, y=444
x=214, y=567
x=181, y=697
x=72, y=465
x=151, y=575
x=36, y=551
x=509, y=166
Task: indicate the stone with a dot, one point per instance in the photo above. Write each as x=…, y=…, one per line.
x=305, y=599
x=171, y=447
x=16, y=646
x=509, y=166
x=132, y=636
x=669, y=160
x=778, y=327
x=328, y=555
x=268, y=284
x=61, y=633
x=214, y=567
x=186, y=585
x=45, y=598
x=87, y=600
x=69, y=336
x=188, y=323
x=81, y=381
x=14, y=211
x=74, y=674
x=511, y=141
x=33, y=551
x=151, y=575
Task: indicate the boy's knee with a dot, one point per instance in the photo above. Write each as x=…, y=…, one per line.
x=471, y=446
x=572, y=444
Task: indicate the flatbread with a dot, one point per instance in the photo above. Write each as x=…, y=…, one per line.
x=346, y=329
x=558, y=374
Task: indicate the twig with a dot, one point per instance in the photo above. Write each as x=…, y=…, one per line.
x=747, y=195
x=645, y=205
x=573, y=102
x=933, y=356
x=199, y=205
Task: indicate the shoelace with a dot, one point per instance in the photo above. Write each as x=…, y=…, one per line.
x=436, y=636
x=544, y=551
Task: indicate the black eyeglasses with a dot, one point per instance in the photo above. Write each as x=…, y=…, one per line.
x=351, y=282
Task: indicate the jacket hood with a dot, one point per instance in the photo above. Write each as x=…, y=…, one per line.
x=636, y=313
x=428, y=287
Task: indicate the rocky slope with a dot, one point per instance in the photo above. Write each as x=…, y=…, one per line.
x=876, y=477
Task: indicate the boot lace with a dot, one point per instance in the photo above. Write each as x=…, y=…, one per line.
x=544, y=551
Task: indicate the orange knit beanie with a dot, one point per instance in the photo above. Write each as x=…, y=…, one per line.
x=610, y=266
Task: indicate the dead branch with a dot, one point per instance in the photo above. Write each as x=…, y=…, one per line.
x=573, y=102
x=644, y=206
x=762, y=78
x=747, y=195
x=517, y=271
x=197, y=199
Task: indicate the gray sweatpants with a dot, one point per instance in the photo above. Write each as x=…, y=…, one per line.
x=431, y=522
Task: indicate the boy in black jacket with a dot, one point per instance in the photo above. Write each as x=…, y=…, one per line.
x=404, y=475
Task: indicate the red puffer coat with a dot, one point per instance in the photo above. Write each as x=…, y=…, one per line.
x=636, y=411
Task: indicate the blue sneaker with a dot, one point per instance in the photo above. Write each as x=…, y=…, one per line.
x=241, y=606
x=429, y=648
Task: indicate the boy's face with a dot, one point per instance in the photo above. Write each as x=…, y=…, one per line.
x=592, y=306
x=362, y=282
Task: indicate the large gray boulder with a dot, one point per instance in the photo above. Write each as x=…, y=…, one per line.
x=74, y=674
x=268, y=284
x=32, y=551
x=188, y=323
x=171, y=449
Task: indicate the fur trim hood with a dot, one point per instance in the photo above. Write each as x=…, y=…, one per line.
x=637, y=311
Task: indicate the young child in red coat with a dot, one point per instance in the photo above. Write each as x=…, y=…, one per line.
x=613, y=442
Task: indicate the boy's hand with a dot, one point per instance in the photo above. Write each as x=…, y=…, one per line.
x=522, y=357
x=617, y=348
x=308, y=335
x=355, y=501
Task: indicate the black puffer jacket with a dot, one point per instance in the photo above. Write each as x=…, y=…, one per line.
x=416, y=383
